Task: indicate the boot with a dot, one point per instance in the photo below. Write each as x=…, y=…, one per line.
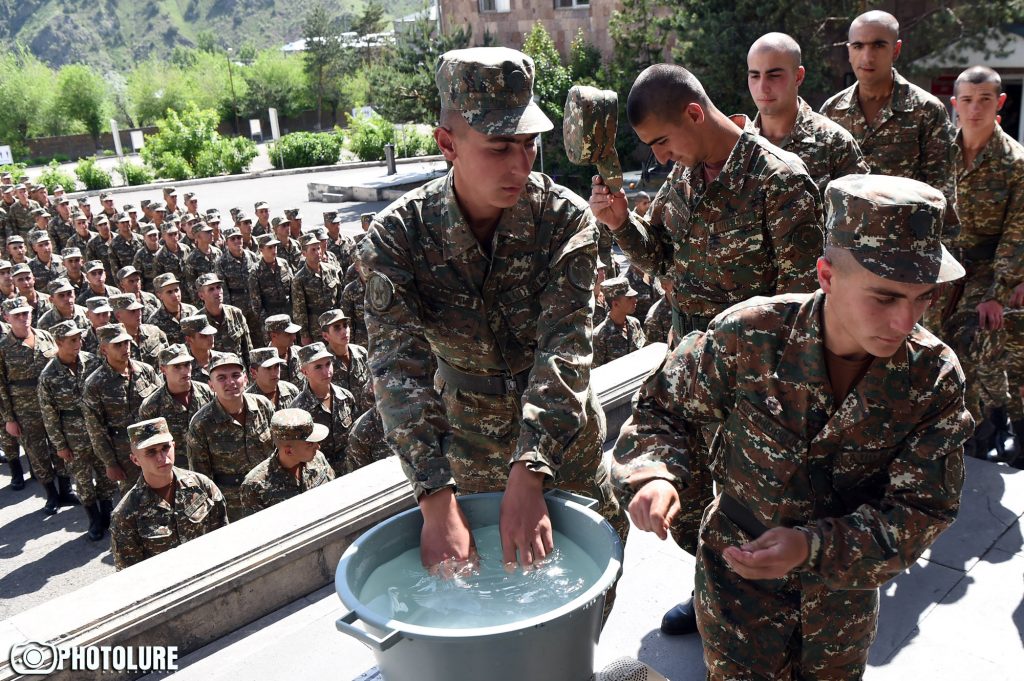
x=52, y=498
x=1015, y=455
x=984, y=437
x=680, y=620
x=106, y=508
x=95, y=532
x=67, y=496
x=17, y=474
x=1006, y=440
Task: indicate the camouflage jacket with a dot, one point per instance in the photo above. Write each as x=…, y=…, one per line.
x=88, y=293
x=647, y=293
x=600, y=311
x=53, y=316
x=612, y=341
x=314, y=293
x=352, y=299
x=60, y=401
x=874, y=478
x=60, y=231
x=754, y=230
x=658, y=322
x=122, y=251
x=170, y=325
x=20, y=367
x=911, y=138
x=145, y=262
x=826, y=148
x=80, y=242
x=270, y=290
x=366, y=441
x=218, y=445
x=79, y=286
x=432, y=290
x=144, y=525
x=20, y=221
x=45, y=273
x=343, y=250
x=235, y=273
x=173, y=262
x=355, y=376
x=268, y=483
x=232, y=332
x=98, y=249
x=991, y=206
x=162, y=403
x=147, y=345
x=338, y=421
x=292, y=254
x=286, y=392
x=196, y=263
x=111, y=403
x=41, y=305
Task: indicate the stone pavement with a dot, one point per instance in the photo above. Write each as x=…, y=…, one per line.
x=957, y=614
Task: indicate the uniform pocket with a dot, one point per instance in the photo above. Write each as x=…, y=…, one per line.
x=490, y=415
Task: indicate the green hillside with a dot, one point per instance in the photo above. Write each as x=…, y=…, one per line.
x=114, y=34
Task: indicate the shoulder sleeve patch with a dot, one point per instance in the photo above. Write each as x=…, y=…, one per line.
x=581, y=270
x=380, y=292
x=807, y=238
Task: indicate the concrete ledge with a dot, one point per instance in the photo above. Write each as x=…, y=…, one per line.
x=617, y=382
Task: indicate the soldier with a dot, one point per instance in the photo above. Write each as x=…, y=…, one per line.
x=199, y=339
x=901, y=129
x=365, y=220
x=366, y=441
x=234, y=268
x=96, y=277
x=97, y=311
x=172, y=310
x=24, y=284
x=641, y=203
x=19, y=216
x=130, y=281
x=168, y=506
x=6, y=280
x=330, y=405
x=202, y=259
x=262, y=226
x=295, y=467
x=825, y=497
x=83, y=235
x=178, y=399
x=340, y=246
x=147, y=340
x=281, y=332
x=16, y=249
x=45, y=266
x=316, y=288
x=658, y=325
x=288, y=248
x=72, y=257
x=109, y=211
x=124, y=244
x=191, y=204
x=60, y=402
x=294, y=217
x=600, y=304
x=491, y=268
x=646, y=292
x=232, y=329
x=231, y=434
x=170, y=202
x=244, y=227
x=213, y=220
x=738, y=217
x=98, y=247
x=24, y=352
x=111, y=399
x=133, y=215
x=64, y=309
x=60, y=227
x=145, y=258
x=270, y=282
x=265, y=371
x=170, y=258
x=353, y=297
x=774, y=77
x=351, y=368
x=621, y=333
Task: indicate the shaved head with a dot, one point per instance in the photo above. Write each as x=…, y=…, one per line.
x=663, y=91
x=979, y=75
x=879, y=18
x=779, y=43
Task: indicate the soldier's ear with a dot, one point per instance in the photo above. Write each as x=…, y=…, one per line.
x=445, y=142
x=825, y=272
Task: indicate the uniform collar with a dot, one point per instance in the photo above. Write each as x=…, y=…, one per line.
x=734, y=172
x=901, y=99
x=459, y=238
x=802, y=125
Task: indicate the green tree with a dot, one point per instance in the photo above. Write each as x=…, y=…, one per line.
x=275, y=80
x=585, y=63
x=324, y=53
x=27, y=93
x=82, y=96
x=371, y=20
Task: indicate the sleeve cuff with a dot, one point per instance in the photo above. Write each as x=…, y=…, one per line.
x=813, y=549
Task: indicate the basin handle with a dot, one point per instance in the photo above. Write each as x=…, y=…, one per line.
x=585, y=502
x=346, y=625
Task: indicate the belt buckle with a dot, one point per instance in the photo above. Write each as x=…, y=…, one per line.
x=510, y=384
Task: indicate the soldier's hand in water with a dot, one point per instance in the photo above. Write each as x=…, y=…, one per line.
x=608, y=208
x=771, y=556
x=524, y=522
x=654, y=507
x=445, y=540
x=116, y=473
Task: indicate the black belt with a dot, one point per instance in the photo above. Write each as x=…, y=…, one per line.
x=23, y=383
x=228, y=480
x=485, y=385
x=983, y=252
x=687, y=323
x=741, y=516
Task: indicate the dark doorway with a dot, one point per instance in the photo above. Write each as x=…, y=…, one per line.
x=1011, y=110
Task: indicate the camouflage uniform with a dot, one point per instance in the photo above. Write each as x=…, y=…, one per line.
x=53, y=316
x=338, y=422
x=44, y=273
x=19, y=219
x=162, y=403
x=169, y=325
x=647, y=293
x=826, y=148
x=354, y=376
x=286, y=392
x=268, y=483
x=292, y=254
x=80, y=242
x=108, y=292
x=145, y=525
x=352, y=299
x=871, y=478
x=270, y=290
x=658, y=322
x=313, y=293
x=197, y=263
x=122, y=251
x=235, y=274
x=145, y=262
x=232, y=332
x=612, y=341
x=366, y=441
x=98, y=249
x=60, y=230
x=910, y=137
x=174, y=262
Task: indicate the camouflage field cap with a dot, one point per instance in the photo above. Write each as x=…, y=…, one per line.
x=265, y=357
x=38, y=236
x=65, y=329
x=164, y=280
x=308, y=239
x=330, y=215
x=366, y=218
x=224, y=359
x=61, y=200
x=189, y=196
x=16, y=239
x=148, y=433
x=15, y=305
x=264, y=240
x=337, y=220
x=892, y=226
x=150, y=229
x=170, y=191
x=122, y=217
x=101, y=220
x=174, y=354
x=125, y=302
x=204, y=227
x=276, y=222
x=591, y=117
x=21, y=268
x=260, y=205
x=320, y=233
x=208, y=278
x=158, y=206
x=98, y=304
x=71, y=253
x=280, y=323
x=104, y=196
x=169, y=227
x=5, y=265
x=198, y=323
x=40, y=213
x=331, y=316
x=128, y=208
x=492, y=88
x=126, y=272
x=313, y=352
x=8, y=189
x=112, y=333
x=296, y=424
x=93, y=265
x=293, y=213
x=617, y=286
x=231, y=232
x=59, y=286
x=145, y=203
x=242, y=216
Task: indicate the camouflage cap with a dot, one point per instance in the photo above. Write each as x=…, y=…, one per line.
x=174, y=354
x=331, y=316
x=337, y=220
x=280, y=323
x=330, y=215
x=122, y=217
x=8, y=189
x=16, y=239
x=265, y=357
x=128, y=208
x=145, y=203
x=40, y=213
x=98, y=304
x=106, y=195
x=617, y=286
x=38, y=236
x=492, y=88
x=313, y=352
x=20, y=185
x=189, y=196
x=224, y=359
x=366, y=218
x=242, y=216
x=169, y=227
x=234, y=210
x=83, y=200
x=125, y=302
x=15, y=305
x=170, y=191
x=71, y=252
x=296, y=424
x=276, y=222
x=293, y=213
x=212, y=211
x=230, y=232
x=20, y=268
x=259, y=205
x=164, y=280
x=320, y=233
x=150, y=229
x=198, y=323
x=588, y=131
x=212, y=218
x=308, y=239
x=66, y=329
x=158, y=206
x=203, y=227
x=5, y=265
x=101, y=220
x=208, y=278
x=148, y=433
x=93, y=265
x=892, y=226
x=59, y=285
x=61, y=200
x=267, y=240
x=126, y=272
x=112, y=333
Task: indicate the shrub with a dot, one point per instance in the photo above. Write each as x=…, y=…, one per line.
x=91, y=175
x=15, y=169
x=367, y=136
x=173, y=167
x=188, y=145
x=306, y=149
x=134, y=174
x=236, y=153
x=413, y=141
x=53, y=176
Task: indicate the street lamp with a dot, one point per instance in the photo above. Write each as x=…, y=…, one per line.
x=234, y=101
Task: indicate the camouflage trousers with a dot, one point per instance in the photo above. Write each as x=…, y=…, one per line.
x=694, y=500
x=790, y=628
x=122, y=455
x=90, y=476
x=233, y=500
x=42, y=458
x=975, y=348
x=1001, y=374
x=366, y=442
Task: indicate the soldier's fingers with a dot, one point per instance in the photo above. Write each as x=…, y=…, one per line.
x=597, y=181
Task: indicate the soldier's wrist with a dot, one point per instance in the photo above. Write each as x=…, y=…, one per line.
x=810, y=564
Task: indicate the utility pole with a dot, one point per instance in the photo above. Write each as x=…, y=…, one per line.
x=234, y=100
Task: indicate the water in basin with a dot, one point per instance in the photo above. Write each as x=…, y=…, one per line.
x=401, y=589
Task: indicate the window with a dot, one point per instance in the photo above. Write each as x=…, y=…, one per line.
x=496, y=5
x=569, y=4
